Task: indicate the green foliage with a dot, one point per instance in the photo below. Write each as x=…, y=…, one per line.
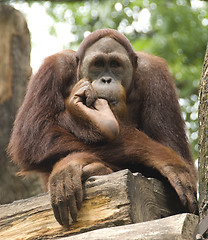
x=180, y=36
x=173, y=30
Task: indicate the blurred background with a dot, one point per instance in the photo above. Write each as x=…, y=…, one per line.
x=176, y=30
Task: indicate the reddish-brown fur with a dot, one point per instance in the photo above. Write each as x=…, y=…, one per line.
x=151, y=137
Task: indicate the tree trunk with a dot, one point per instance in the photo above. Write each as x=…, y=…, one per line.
x=203, y=142
x=14, y=73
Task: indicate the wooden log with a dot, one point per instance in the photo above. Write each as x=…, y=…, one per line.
x=117, y=199
x=177, y=227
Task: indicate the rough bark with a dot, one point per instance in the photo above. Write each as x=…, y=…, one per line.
x=202, y=228
x=14, y=73
x=203, y=140
x=117, y=199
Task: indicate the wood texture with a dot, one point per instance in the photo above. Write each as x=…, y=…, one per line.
x=203, y=143
x=15, y=71
x=117, y=199
x=177, y=227
x=203, y=150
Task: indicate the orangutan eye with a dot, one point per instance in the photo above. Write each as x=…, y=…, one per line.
x=115, y=64
x=99, y=63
